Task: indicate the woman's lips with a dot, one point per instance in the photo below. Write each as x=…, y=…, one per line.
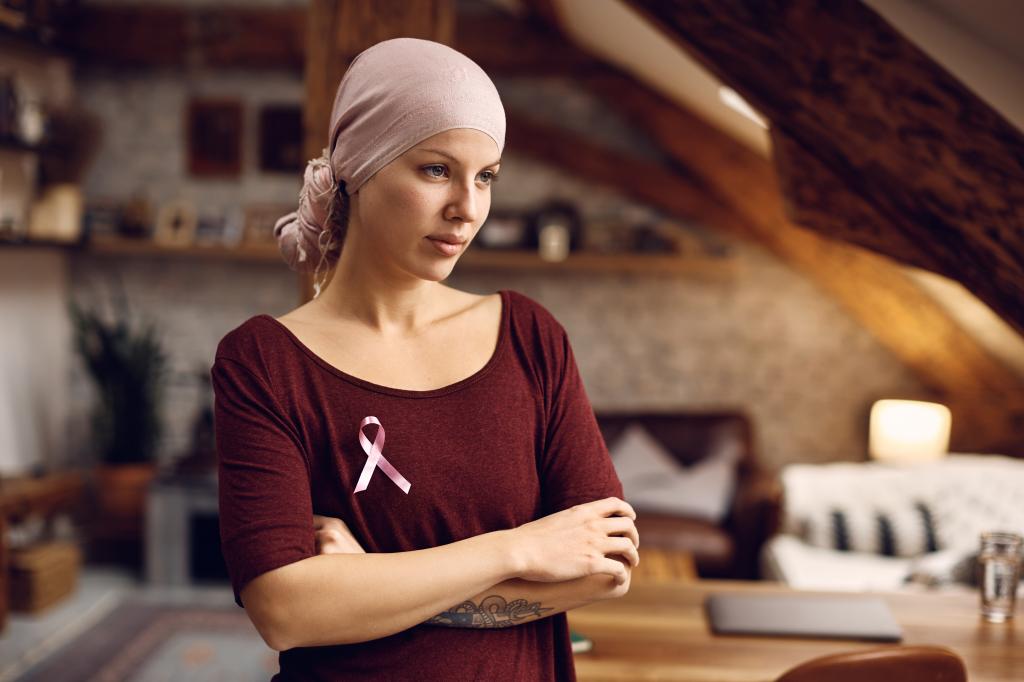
x=445, y=248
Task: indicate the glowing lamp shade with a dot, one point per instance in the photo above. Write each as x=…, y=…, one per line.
x=908, y=431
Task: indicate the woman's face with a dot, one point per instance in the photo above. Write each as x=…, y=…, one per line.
x=441, y=187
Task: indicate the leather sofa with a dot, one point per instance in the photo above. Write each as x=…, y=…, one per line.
x=726, y=550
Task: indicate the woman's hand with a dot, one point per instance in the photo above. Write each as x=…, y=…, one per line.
x=577, y=542
x=334, y=537
x=619, y=589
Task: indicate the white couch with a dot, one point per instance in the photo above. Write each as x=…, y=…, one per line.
x=874, y=526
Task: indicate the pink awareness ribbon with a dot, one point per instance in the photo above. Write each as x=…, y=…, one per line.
x=375, y=458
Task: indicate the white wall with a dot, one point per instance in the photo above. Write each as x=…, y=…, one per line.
x=35, y=359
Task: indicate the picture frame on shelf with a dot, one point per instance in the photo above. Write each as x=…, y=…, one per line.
x=214, y=137
x=137, y=220
x=211, y=228
x=232, y=231
x=101, y=217
x=176, y=223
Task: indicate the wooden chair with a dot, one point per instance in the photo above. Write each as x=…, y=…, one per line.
x=886, y=664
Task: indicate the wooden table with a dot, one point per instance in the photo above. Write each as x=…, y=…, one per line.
x=659, y=632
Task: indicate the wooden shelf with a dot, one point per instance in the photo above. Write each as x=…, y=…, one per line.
x=476, y=258
x=105, y=244
x=597, y=262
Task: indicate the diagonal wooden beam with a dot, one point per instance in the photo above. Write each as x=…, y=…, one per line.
x=893, y=127
x=987, y=398
x=642, y=180
x=949, y=361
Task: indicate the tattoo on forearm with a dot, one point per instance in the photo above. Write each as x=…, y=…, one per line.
x=492, y=612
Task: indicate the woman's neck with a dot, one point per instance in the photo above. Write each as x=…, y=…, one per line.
x=387, y=308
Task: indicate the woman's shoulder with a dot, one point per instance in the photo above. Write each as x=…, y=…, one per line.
x=250, y=340
x=528, y=310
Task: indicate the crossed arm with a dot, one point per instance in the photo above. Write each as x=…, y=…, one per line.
x=505, y=604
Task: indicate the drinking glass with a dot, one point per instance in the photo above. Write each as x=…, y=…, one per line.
x=999, y=565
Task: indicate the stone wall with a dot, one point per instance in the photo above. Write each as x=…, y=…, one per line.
x=764, y=339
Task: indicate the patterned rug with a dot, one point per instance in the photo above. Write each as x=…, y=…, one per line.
x=144, y=642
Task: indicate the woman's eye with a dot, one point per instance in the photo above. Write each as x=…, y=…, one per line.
x=431, y=174
x=489, y=176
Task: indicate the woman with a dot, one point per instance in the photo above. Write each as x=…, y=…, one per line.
x=446, y=434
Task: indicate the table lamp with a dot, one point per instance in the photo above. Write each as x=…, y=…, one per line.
x=908, y=431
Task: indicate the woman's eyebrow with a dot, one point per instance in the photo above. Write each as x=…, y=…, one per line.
x=446, y=154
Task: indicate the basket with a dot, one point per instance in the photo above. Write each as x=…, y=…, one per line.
x=42, y=574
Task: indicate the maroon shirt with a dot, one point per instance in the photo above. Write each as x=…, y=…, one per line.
x=515, y=441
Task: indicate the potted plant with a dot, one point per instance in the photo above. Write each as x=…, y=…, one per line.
x=127, y=365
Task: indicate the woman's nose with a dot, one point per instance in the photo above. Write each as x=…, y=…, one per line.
x=465, y=203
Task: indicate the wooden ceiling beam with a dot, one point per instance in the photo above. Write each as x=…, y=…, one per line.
x=154, y=36
x=892, y=127
x=147, y=36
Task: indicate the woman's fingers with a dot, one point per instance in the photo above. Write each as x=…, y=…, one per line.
x=616, y=569
x=327, y=522
x=614, y=506
x=334, y=537
x=624, y=547
x=620, y=525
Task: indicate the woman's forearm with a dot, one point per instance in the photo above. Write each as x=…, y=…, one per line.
x=516, y=601
x=347, y=598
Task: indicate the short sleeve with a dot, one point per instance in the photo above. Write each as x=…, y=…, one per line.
x=577, y=467
x=265, y=507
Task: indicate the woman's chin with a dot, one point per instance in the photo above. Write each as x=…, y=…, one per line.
x=436, y=270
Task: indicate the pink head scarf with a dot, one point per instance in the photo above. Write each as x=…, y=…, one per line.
x=393, y=95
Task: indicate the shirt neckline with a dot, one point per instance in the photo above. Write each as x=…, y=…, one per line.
x=503, y=334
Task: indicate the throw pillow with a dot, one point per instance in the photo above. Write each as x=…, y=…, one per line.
x=653, y=480
x=902, y=530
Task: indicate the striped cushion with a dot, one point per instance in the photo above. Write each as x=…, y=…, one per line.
x=901, y=531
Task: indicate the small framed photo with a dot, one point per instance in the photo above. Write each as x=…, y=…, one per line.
x=281, y=138
x=176, y=223
x=214, y=138
x=101, y=216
